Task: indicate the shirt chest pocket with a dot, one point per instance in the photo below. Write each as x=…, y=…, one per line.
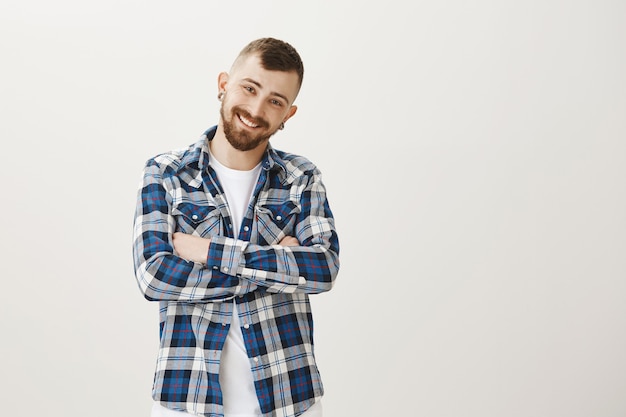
x=197, y=220
x=274, y=222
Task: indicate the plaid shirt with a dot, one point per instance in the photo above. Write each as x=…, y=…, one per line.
x=270, y=283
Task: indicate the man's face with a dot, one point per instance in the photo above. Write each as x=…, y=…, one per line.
x=255, y=103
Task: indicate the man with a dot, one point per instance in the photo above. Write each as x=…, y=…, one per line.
x=231, y=236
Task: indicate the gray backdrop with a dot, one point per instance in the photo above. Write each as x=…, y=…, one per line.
x=474, y=155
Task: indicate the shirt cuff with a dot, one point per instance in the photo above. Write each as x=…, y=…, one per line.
x=226, y=254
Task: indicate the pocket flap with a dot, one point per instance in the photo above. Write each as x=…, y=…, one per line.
x=194, y=213
x=279, y=213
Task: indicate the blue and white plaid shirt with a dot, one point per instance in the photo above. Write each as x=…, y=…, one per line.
x=270, y=283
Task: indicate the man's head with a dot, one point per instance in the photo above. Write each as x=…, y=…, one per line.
x=258, y=93
x=275, y=55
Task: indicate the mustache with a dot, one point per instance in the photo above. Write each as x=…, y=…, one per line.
x=256, y=120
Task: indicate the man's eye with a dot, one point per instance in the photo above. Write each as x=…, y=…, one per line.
x=249, y=89
x=277, y=103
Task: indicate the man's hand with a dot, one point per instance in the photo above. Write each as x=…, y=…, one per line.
x=191, y=248
x=289, y=241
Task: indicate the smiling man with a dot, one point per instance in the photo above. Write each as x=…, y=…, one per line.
x=230, y=237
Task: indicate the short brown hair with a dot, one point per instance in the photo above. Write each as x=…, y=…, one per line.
x=275, y=55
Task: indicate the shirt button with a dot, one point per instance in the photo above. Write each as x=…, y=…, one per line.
x=246, y=326
x=256, y=359
x=246, y=228
x=279, y=218
x=195, y=217
x=230, y=225
x=215, y=267
x=225, y=269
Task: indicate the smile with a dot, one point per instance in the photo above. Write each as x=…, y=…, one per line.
x=247, y=122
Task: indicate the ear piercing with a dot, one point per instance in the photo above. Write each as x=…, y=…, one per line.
x=282, y=125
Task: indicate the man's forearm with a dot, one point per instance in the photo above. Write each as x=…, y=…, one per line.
x=196, y=249
x=279, y=268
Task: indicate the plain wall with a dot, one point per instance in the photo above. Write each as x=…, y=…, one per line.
x=474, y=155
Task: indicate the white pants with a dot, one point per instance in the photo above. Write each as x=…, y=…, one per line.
x=159, y=411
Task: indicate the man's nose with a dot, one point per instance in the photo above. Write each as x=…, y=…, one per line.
x=257, y=107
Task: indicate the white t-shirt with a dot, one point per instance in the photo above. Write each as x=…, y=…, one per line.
x=235, y=375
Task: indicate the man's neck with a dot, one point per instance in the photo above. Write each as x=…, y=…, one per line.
x=232, y=158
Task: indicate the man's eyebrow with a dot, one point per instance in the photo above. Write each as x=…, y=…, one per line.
x=250, y=80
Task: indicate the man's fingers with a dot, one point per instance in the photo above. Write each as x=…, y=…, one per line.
x=289, y=241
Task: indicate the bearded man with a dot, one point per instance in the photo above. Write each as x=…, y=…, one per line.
x=230, y=237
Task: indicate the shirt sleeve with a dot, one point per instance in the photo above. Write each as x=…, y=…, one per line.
x=310, y=268
x=160, y=273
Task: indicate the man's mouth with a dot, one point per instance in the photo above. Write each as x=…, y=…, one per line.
x=247, y=122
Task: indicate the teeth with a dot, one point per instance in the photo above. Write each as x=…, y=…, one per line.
x=247, y=122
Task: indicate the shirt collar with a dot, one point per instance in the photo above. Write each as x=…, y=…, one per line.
x=197, y=158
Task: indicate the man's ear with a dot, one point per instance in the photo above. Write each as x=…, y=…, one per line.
x=290, y=113
x=222, y=80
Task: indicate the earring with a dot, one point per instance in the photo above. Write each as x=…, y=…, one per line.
x=220, y=96
x=282, y=125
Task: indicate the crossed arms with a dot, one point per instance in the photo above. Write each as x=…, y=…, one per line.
x=195, y=248
x=175, y=266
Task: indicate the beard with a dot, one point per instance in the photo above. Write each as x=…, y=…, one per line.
x=240, y=139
